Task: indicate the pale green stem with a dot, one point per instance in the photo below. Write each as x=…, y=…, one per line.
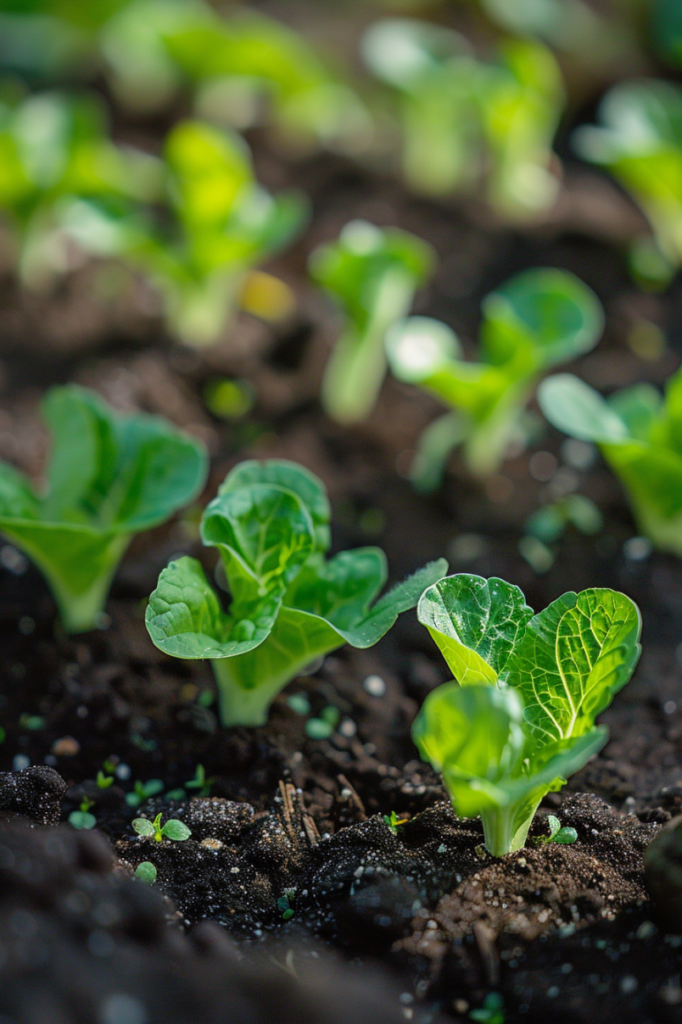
x=240, y=705
x=357, y=366
x=81, y=611
x=435, y=445
x=434, y=148
x=502, y=831
x=200, y=313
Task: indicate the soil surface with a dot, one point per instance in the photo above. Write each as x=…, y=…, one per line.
x=414, y=924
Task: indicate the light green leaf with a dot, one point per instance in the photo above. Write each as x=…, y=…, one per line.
x=291, y=477
x=263, y=532
x=185, y=618
x=176, y=830
x=639, y=408
x=476, y=623
x=475, y=736
x=552, y=311
x=574, y=407
x=573, y=658
x=143, y=827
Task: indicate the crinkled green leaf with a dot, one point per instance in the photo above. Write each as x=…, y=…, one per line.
x=291, y=477
x=574, y=656
x=185, y=617
x=476, y=624
x=263, y=532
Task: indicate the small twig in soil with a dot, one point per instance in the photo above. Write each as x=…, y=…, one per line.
x=353, y=796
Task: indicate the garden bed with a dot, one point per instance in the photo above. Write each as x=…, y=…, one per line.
x=566, y=931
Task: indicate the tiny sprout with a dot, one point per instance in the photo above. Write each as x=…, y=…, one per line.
x=492, y=1011
x=394, y=822
x=104, y=781
x=82, y=819
x=285, y=904
x=558, y=835
x=143, y=791
x=173, y=829
x=200, y=781
x=146, y=872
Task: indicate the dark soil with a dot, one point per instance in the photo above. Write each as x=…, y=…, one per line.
x=291, y=822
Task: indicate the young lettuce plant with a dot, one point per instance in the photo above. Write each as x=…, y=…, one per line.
x=537, y=319
x=640, y=142
x=639, y=433
x=288, y=605
x=521, y=98
x=224, y=225
x=246, y=69
x=434, y=72
x=108, y=478
x=55, y=151
x=373, y=274
x=519, y=719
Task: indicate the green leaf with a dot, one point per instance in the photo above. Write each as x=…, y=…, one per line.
x=185, y=619
x=574, y=657
x=109, y=476
x=143, y=827
x=176, y=830
x=550, y=311
x=146, y=872
x=476, y=624
x=290, y=477
x=264, y=535
x=574, y=407
x=478, y=737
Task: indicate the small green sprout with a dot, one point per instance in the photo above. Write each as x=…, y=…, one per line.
x=560, y=836
x=200, y=782
x=285, y=904
x=373, y=274
x=224, y=224
x=245, y=69
x=639, y=433
x=394, y=821
x=433, y=70
x=521, y=97
x=537, y=319
x=173, y=829
x=640, y=142
x=82, y=819
x=108, y=478
x=322, y=728
x=143, y=791
x=492, y=1011
x=519, y=719
x=55, y=153
x=146, y=872
x=104, y=781
x=548, y=524
x=289, y=605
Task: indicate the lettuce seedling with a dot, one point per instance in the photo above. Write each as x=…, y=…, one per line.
x=433, y=70
x=373, y=274
x=55, y=151
x=224, y=225
x=245, y=68
x=639, y=433
x=537, y=319
x=173, y=829
x=640, y=142
x=520, y=101
x=108, y=477
x=520, y=717
x=288, y=605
